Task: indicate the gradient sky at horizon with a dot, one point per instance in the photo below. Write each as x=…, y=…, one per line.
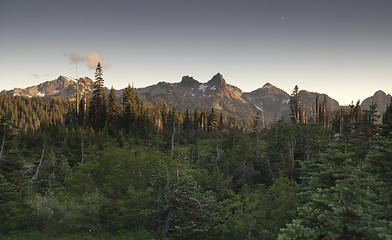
x=339, y=47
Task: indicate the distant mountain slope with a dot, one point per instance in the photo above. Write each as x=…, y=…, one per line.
x=275, y=101
x=215, y=93
x=379, y=97
x=309, y=99
x=62, y=87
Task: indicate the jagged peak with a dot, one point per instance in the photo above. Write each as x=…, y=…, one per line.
x=217, y=80
x=187, y=80
x=63, y=78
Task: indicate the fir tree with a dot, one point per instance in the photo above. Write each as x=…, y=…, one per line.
x=113, y=108
x=130, y=107
x=213, y=121
x=188, y=122
x=97, y=113
x=357, y=115
x=295, y=106
x=387, y=120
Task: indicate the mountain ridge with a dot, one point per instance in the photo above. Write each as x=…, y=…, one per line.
x=215, y=93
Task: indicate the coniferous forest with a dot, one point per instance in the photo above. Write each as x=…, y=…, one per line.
x=102, y=169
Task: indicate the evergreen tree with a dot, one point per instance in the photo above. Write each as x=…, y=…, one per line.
x=387, y=120
x=295, y=106
x=188, y=122
x=130, y=107
x=97, y=113
x=338, y=201
x=369, y=119
x=357, y=115
x=213, y=121
x=113, y=108
x=13, y=185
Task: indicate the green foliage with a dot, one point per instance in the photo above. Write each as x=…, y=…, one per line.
x=338, y=201
x=180, y=209
x=98, y=108
x=31, y=114
x=58, y=214
x=259, y=214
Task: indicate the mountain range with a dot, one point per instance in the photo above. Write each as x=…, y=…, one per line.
x=215, y=93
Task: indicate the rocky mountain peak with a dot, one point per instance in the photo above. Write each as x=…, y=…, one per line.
x=268, y=85
x=188, y=81
x=217, y=81
x=380, y=93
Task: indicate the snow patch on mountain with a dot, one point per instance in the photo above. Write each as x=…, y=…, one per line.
x=203, y=87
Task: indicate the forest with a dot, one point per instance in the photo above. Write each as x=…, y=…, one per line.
x=99, y=169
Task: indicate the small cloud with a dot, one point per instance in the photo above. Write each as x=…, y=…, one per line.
x=93, y=58
x=74, y=57
x=35, y=75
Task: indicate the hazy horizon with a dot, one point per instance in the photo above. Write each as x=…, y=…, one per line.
x=340, y=48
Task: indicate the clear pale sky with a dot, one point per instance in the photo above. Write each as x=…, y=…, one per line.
x=339, y=47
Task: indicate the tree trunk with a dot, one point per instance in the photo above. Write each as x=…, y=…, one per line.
x=166, y=228
x=217, y=154
x=2, y=143
x=35, y=177
x=82, y=150
x=269, y=167
x=174, y=132
x=198, y=150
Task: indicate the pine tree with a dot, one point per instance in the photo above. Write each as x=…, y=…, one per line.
x=387, y=120
x=295, y=106
x=130, y=108
x=188, y=122
x=369, y=119
x=113, y=108
x=97, y=113
x=357, y=115
x=213, y=121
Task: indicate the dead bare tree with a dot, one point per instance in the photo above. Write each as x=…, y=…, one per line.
x=174, y=132
x=4, y=123
x=35, y=177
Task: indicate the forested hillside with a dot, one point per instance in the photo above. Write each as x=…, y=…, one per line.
x=134, y=170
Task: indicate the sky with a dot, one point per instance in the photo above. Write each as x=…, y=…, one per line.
x=339, y=47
